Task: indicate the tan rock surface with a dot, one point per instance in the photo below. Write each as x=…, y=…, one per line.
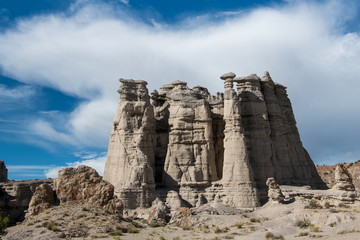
x=42, y=199
x=84, y=185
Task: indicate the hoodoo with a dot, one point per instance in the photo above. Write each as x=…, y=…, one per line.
x=202, y=146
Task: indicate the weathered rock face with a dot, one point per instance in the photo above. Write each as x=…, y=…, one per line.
x=190, y=158
x=199, y=146
x=159, y=212
x=256, y=129
x=84, y=185
x=237, y=172
x=343, y=179
x=3, y=172
x=42, y=199
x=15, y=197
x=130, y=161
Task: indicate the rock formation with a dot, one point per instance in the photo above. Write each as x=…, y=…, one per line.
x=189, y=142
x=130, y=161
x=274, y=192
x=15, y=197
x=3, y=172
x=84, y=185
x=343, y=179
x=159, y=212
x=42, y=199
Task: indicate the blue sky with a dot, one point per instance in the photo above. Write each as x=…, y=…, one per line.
x=60, y=61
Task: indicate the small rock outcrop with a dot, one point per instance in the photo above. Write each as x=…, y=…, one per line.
x=42, y=199
x=3, y=172
x=159, y=212
x=274, y=192
x=84, y=185
x=343, y=179
x=15, y=197
x=199, y=145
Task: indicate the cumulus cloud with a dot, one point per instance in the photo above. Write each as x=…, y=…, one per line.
x=302, y=44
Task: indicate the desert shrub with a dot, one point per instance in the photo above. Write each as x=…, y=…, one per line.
x=186, y=227
x=217, y=230
x=4, y=222
x=264, y=219
x=343, y=205
x=313, y=205
x=133, y=230
x=161, y=237
x=116, y=233
x=302, y=234
x=225, y=229
x=176, y=238
x=51, y=226
x=314, y=228
x=305, y=223
x=239, y=224
x=327, y=204
x=333, y=210
x=333, y=224
x=253, y=220
x=155, y=224
x=269, y=235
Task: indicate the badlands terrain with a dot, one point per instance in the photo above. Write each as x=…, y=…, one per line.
x=301, y=214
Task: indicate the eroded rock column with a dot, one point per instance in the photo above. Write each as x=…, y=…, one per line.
x=190, y=159
x=284, y=172
x=257, y=130
x=237, y=174
x=130, y=158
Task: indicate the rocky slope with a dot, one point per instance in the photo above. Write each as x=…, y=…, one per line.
x=327, y=173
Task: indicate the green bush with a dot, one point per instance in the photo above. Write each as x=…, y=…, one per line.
x=51, y=226
x=305, y=223
x=4, y=222
x=239, y=224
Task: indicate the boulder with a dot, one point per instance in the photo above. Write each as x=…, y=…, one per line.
x=84, y=185
x=159, y=212
x=42, y=199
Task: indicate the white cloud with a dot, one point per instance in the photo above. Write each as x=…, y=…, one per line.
x=94, y=160
x=126, y=2
x=17, y=92
x=83, y=53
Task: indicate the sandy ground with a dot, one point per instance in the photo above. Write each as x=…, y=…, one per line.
x=273, y=220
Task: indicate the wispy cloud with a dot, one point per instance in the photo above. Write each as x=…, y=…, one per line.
x=28, y=171
x=17, y=92
x=126, y=2
x=92, y=159
x=84, y=51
